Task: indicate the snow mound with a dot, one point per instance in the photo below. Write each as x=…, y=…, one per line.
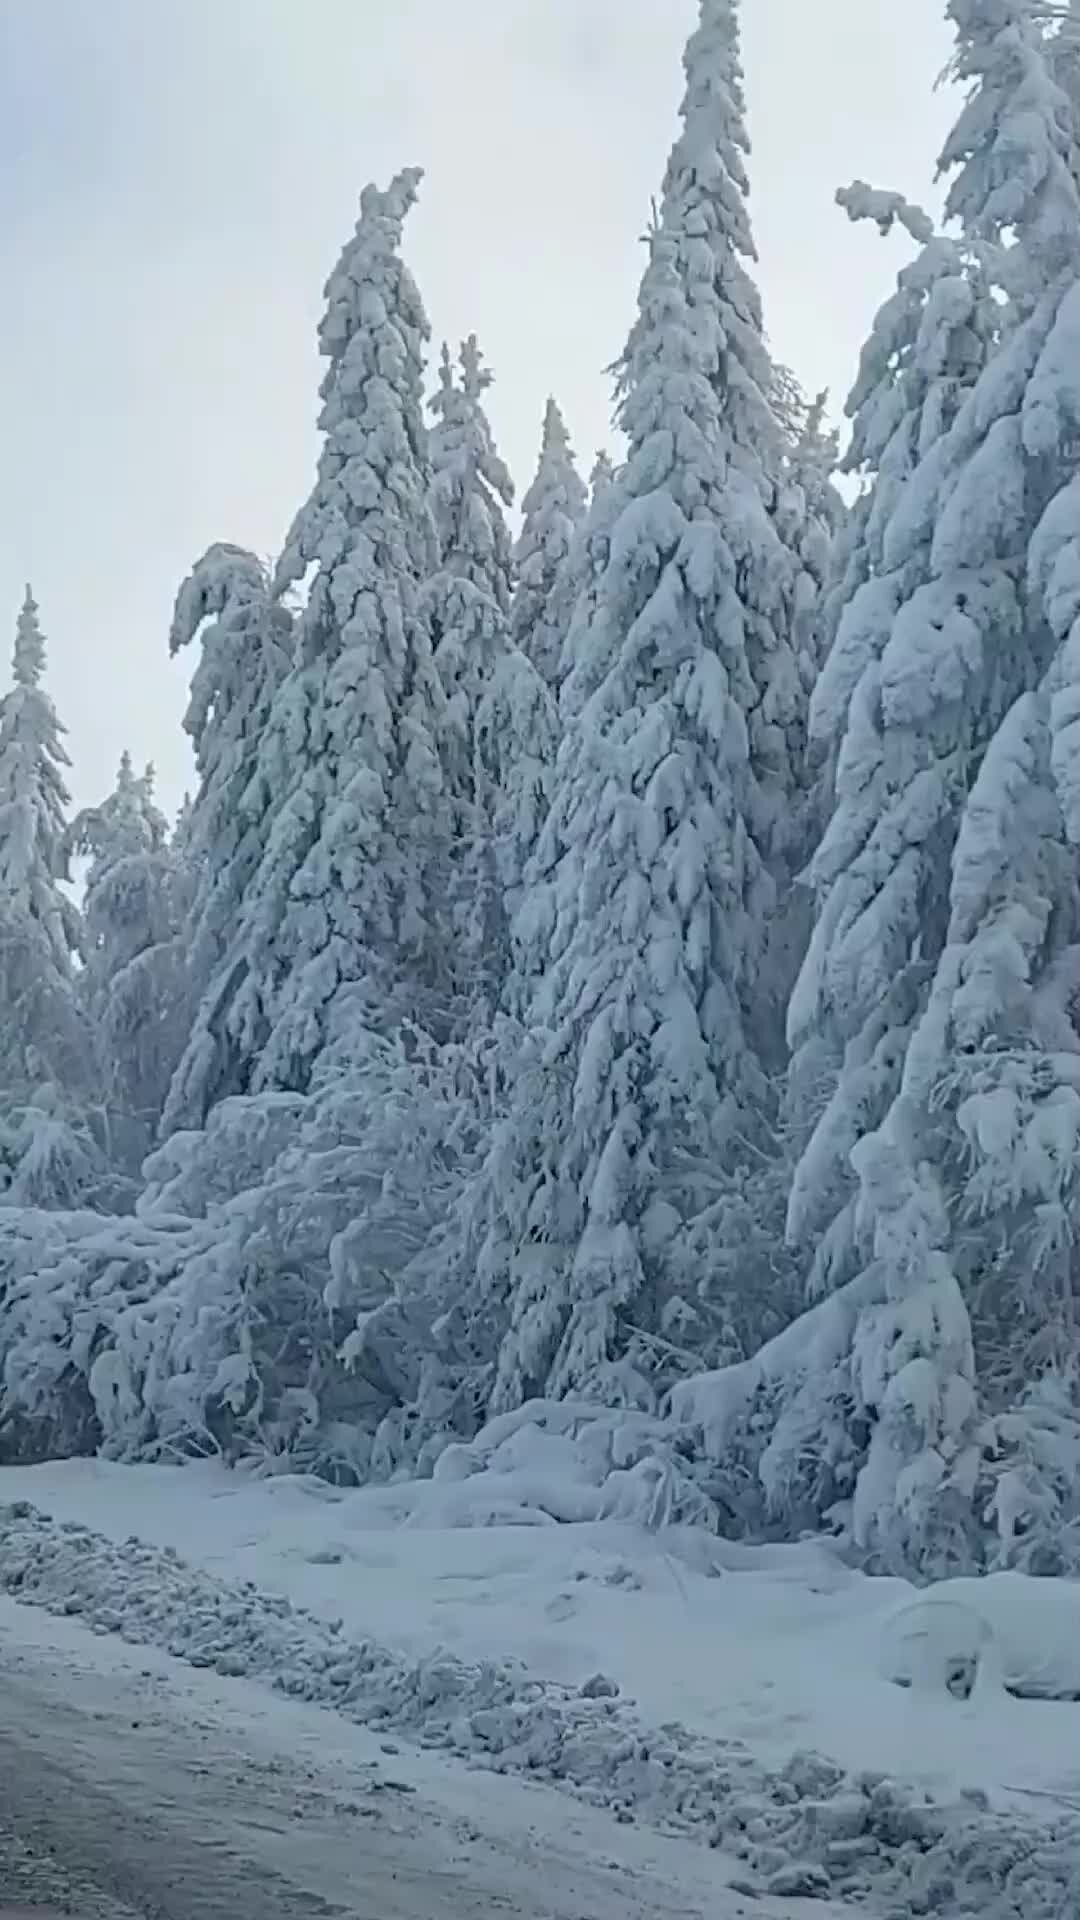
x=558, y=1462
x=808, y=1828
x=1004, y=1630
x=941, y=1646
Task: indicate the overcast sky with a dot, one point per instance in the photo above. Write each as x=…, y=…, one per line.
x=176, y=182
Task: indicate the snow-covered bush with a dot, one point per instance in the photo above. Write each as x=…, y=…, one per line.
x=785, y=1432
x=76, y=1290
x=569, y=1460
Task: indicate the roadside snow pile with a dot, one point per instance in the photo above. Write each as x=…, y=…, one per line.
x=804, y=1829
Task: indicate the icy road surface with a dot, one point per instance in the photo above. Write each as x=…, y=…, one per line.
x=131, y=1786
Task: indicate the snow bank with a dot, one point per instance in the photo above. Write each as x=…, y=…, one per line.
x=806, y=1828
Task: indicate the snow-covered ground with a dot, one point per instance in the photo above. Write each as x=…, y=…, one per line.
x=670, y=1676
x=777, y=1647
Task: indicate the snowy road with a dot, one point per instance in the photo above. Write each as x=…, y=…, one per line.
x=131, y=1786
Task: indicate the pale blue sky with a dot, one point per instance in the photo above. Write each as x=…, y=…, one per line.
x=177, y=180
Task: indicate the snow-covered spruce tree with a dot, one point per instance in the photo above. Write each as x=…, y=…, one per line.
x=1055, y=555
x=706, y=182
x=48, y=1153
x=1003, y=1001
x=600, y=479
x=348, y=886
x=397, y=1111
x=990, y=1097
x=818, y=518
x=928, y=344
x=42, y=1030
x=500, y=740
x=939, y=675
x=135, y=982
x=552, y=512
x=1015, y=106
x=393, y=1172
x=468, y=597
x=998, y=1053
x=245, y=637
x=776, y=550
x=646, y=909
x=585, y=568
x=345, y=961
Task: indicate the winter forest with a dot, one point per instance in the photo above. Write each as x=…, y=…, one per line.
x=632, y=965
